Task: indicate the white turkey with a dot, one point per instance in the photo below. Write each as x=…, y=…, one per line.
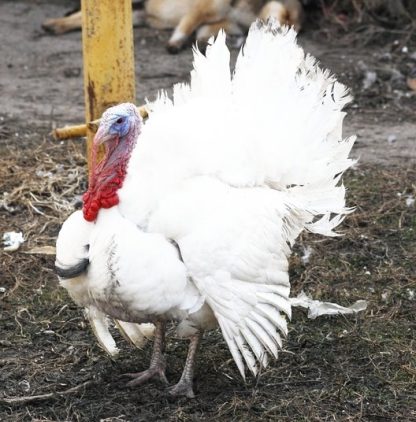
x=191, y=215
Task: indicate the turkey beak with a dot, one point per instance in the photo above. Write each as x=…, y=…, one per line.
x=102, y=135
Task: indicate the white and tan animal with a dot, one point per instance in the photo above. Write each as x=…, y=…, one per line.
x=191, y=215
x=202, y=17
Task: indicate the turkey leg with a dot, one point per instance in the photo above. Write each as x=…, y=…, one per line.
x=157, y=362
x=184, y=386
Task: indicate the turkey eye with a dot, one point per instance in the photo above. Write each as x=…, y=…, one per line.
x=120, y=120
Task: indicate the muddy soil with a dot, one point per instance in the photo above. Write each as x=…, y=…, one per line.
x=356, y=368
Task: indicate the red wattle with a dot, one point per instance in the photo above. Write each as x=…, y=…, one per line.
x=102, y=196
x=107, y=176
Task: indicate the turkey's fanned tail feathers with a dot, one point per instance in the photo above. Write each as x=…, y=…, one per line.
x=276, y=121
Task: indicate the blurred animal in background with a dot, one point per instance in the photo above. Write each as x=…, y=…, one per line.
x=191, y=215
x=204, y=18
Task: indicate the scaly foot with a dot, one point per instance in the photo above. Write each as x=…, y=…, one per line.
x=182, y=389
x=156, y=371
x=184, y=386
x=157, y=362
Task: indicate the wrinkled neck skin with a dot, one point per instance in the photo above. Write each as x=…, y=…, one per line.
x=108, y=175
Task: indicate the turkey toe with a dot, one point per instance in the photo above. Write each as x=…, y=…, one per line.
x=139, y=378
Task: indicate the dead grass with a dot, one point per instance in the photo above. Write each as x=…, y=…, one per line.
x=345, y=368
x=366, y=22
x=388, y=13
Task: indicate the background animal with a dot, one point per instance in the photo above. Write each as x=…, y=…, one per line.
x=191, y=215
x=202, y=17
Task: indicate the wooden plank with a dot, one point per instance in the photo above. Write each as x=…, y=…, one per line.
x=108, y=55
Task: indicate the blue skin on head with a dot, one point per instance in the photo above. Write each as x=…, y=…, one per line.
x=120, y=125
x=117, y=123
x=118, y=120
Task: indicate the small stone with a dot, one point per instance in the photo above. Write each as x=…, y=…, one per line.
x=411, y=83
x=410, y=201
x=392, y=138
x=25, y=386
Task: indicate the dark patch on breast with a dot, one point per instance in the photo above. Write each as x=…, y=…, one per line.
x=73, y=271
x=112, y=262
x=174, y=243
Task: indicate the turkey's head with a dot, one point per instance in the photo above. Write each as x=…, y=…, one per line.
x=118, y=123
x=118, y=131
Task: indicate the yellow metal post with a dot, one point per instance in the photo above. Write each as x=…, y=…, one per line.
x=108, y=54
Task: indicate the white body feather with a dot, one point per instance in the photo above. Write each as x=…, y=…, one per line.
x=72, y=246
x=232, y=170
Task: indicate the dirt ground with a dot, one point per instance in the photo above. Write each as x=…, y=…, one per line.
x=351, y=368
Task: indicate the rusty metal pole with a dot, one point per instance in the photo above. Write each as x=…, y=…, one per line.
x=108, y=55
